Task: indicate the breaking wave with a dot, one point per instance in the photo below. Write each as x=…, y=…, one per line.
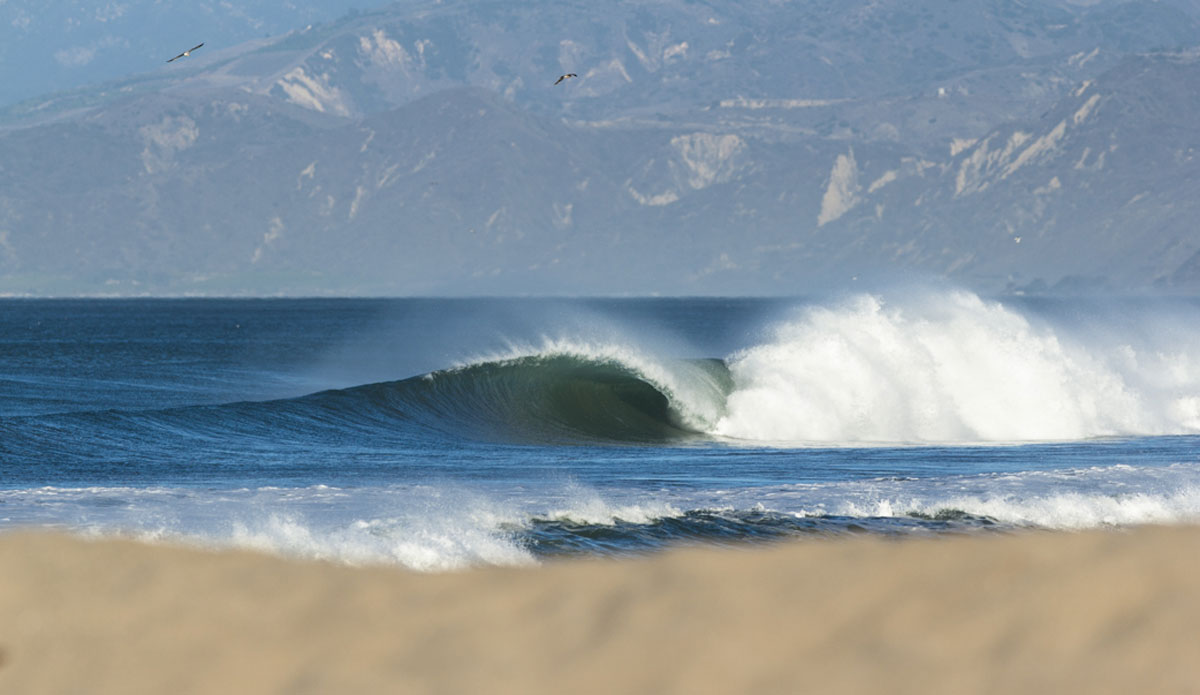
x=942, y=368
x=953, y=367
x=562, y=394
x=945, y=368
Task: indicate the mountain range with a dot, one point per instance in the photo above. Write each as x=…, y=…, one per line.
x=765, y=148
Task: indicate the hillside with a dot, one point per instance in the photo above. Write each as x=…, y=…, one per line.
x=768, y=148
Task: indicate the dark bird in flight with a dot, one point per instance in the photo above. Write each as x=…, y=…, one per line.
x=186, y=53
x=567, y=76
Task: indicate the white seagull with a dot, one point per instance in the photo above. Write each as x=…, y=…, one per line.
x=567, y=76
x=186, y=53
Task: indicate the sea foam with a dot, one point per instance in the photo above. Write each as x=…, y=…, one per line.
x=952, y=367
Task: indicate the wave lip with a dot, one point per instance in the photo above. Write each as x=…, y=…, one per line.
x=565, y=395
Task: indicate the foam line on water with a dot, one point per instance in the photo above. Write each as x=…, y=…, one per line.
x=420, y=527
x=1068, y=499
x=448, y=527
x=424, y=528
x=582, y=505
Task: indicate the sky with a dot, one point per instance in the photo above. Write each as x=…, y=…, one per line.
x=48, y=46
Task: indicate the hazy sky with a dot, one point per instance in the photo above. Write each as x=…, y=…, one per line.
x=53, y=45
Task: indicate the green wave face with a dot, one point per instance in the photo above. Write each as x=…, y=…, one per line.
x=557, y=398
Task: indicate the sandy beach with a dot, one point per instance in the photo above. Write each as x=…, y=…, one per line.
x=1031, y=612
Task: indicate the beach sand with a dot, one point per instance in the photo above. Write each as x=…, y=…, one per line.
x=1031, y=612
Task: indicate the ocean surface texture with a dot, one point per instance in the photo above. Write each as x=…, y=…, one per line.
x=437, y=434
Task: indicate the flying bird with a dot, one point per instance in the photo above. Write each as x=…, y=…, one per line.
x=567, y=76
x=186, y=53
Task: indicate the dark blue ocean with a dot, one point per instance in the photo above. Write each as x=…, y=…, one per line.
x=445, y=433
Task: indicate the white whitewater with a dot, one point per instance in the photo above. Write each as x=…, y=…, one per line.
x=953, y=368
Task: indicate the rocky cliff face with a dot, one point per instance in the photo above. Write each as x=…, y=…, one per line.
x=771, y=148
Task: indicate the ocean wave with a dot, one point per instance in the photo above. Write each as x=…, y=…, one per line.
x=943, y=367
x=938, y=368
x=564, y=393
x=557, y=395
x=951, y=367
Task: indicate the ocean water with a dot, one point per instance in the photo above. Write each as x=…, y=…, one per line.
x=437, y=434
